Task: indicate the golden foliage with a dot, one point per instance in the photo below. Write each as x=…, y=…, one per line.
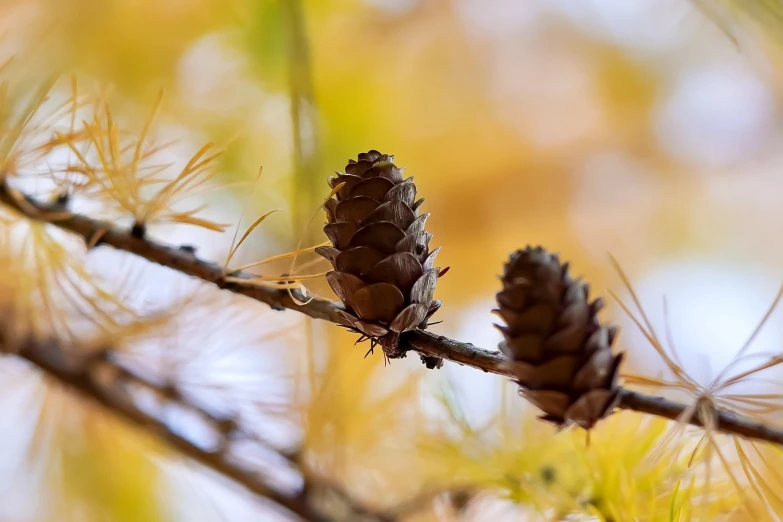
x=562, y=475
x=119, y=486
x=120, y=170
x=353, y=426
x=27, y=128
x=357, y=424
x=46, y=285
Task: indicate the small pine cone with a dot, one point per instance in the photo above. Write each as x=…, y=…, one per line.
x=383, y=268
x=564, y=361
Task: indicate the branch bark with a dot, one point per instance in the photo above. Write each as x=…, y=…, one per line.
x=425, y=343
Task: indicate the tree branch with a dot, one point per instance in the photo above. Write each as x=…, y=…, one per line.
x=425, y=343
x=102, y=380
x=113, y=387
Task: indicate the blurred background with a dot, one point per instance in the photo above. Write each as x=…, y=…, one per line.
x=648, y=129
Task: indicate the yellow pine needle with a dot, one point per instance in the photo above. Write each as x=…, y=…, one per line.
x=15, y=152
x=277, y=257
x=112, y=166
x=742, y=376
x=45, y=276
x=107, y=176
x=774, y=471
x=756, y=480
x=732, y=476
x=265, y=284
x=71, y=283
x=149, y=152
x=145, y=130
x=688, y=511
x=749, y=407
x=696, y=449
x=668, y=333
x=299, y=244
x=647, y=329
x=74, y=98
x=232, y=250
x=347, y=407
x=187, y=219
x=249, y=230
x=54, y=288
x=751, y=397
x=207, y=190
x=675, y=508
x=750, y=339
x=68, y=108
x=192, y=176
x=24, y=118
x=677, y=370
x=627, y=283
x=641, y=380
x=113, y=135
x=311, y=263
x=680, y=425
x=277, y=278
x=47, y=403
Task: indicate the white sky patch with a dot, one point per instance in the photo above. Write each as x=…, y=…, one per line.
x=500, y=18
x=394, y=7
x=616, y=198
x=479, y=393
x=548, y=95
x=212, y=75
x=715, y=115
x=649, y=25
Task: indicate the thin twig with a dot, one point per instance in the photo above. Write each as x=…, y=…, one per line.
x=425, y=343
x=728, y=422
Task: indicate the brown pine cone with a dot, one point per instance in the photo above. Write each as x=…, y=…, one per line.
x=565, y=364
x=383, y=268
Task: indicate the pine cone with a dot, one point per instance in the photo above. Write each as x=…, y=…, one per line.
x=383, y=269
x=565, y=364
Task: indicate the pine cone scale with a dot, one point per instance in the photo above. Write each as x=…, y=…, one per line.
x=344, y=285
x=383, y=236
x=340, y=234
x=330, y=253
x=379, y=302
x=358, y=261
x=409, y=318
x=423, y=289
x=373, y=188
